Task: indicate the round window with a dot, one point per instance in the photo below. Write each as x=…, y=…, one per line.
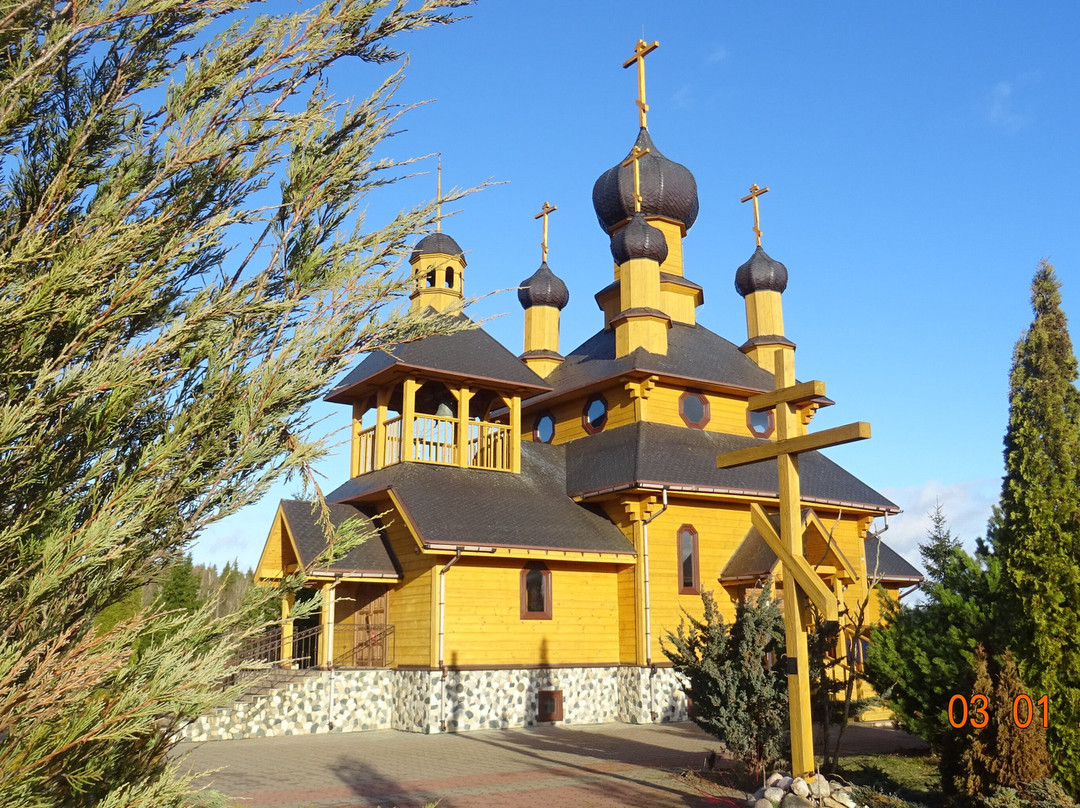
x=594, y=416
x=544, y=428
x=694, y=409
x=761, y=423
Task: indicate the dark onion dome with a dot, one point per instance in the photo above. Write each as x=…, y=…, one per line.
x=543, y=288
x=435, y=243
x=668, y=189
x=639, y=239
x=760, y=274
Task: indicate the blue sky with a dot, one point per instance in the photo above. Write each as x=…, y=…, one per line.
x=921, y=157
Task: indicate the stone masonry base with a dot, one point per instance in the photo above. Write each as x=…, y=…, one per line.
x=425, y=701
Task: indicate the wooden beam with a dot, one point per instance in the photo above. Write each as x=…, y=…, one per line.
x=796, y=394
x=795, y=565
x=860, y=430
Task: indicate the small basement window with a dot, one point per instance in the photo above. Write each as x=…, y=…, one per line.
x=535, y=592
x=549, y=706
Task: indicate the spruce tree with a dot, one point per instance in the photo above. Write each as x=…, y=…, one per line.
x=967, y=755
x=1038, y=535
x=1019, y=753
x=183, y=268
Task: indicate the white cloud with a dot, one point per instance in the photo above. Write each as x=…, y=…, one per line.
x=967, y=507
x=718, y=55
x=1002, y=110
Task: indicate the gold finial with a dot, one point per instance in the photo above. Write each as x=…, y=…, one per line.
x=636, y=154
x=438, y=197
x=641, y=50
x=755, y=192
x=545, y=212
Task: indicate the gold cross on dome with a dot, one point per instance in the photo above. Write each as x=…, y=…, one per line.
x=438, y=197
x=636, y=154
x=755, y=192
x=545, y=211
x=641, y=50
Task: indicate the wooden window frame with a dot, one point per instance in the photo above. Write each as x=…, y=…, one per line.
x=706, y=410
x=536, y=566
x=695, y=555
x=536, y=427
x=768, y=432
x=556, y=713
x=589, y=428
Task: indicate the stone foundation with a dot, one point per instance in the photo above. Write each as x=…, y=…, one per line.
x=424, y=701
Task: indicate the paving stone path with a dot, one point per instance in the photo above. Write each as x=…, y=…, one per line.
x=598, y=766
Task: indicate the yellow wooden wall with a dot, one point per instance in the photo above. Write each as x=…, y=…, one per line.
x=411, y=602
x=483, y=615
x=727, y=413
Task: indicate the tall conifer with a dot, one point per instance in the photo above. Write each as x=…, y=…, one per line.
x=1038, y=536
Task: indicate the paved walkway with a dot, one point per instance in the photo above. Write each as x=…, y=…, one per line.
x=599, y=766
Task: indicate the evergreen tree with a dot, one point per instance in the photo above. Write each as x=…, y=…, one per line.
x=738, y=697
x=180, y=588
x=1038, y=538
x=939, y=546
x=967, y=757
x=183, y=268
x=1019, y=755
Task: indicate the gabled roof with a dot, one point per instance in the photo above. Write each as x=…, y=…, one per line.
x=371, y=556
x=694, y=353
x=889, y=565
x=653, y=455
x=754, y=559
x=469, y=354
x=454, y=506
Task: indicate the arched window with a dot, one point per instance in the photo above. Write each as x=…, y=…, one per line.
x=689, y=581
x=535, y=592
x=431, y=282
x=449, y=277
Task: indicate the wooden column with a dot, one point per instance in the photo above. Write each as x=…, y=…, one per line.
x=326, y=621
x=357, y=428
x=408, y=418
x=515, y=434
x=382, y=401
x=464, y=396
x=285, y=655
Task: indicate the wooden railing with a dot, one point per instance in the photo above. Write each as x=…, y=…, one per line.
x=489, y=446
x=262, y=660
x=361, y=645
x=434, y=440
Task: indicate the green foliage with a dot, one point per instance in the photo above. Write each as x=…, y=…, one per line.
x=967, y=757
x=738, y=698
x=180, y=589
x=1040, y=794
x=1037, y=537
x=183, y=268
x=918, y=659
x=1020, y=754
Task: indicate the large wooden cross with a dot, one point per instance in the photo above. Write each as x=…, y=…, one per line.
x=545, y=211
x=802, y=585
x=636, y=154
x=438, y=197
x=641, y=50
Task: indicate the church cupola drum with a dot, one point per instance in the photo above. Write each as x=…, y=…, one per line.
x=543, y=295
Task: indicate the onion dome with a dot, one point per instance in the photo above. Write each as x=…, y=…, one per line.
x=668, y=189
x=435, y=243
x=639, y=239
x=760, y=274
x=543, y=288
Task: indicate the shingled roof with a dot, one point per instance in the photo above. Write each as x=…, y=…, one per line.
x=652, y=455
x=884, y=562
x=370, y=556
x=471, y=354
x=694, y=353
x=455, y=506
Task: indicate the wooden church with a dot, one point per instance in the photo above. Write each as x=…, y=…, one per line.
x=539, y=521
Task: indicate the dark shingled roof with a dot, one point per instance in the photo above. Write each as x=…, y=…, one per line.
x=435, y=243
x=468, y=354
x=639, y=239
x=889, y=564
x=660, y=454
x=668, y=189
x=455, y=506
x=753, y=558
x=543, y=288
x=694, y=353
x=760, y=274
x=371, y=555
